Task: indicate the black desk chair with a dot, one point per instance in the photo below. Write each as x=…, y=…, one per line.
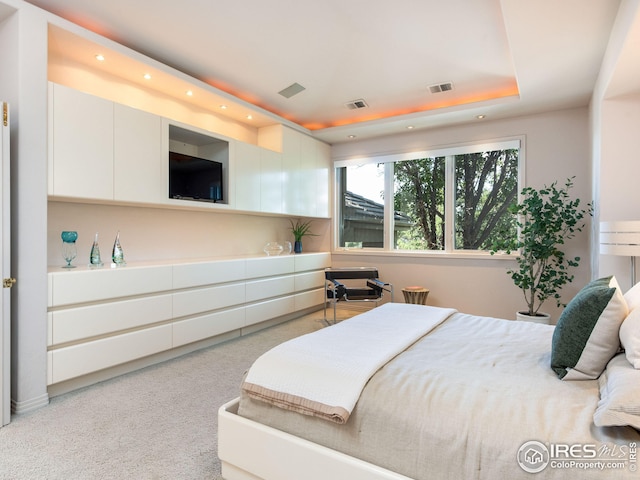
x=353, y=284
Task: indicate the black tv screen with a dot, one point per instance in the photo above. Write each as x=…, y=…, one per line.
x=193, y=178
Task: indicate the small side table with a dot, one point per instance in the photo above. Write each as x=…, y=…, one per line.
x=415, y=295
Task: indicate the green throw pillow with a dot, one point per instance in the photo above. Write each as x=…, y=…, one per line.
x=586, y=336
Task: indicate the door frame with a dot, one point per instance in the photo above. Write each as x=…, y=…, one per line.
x=5, y=268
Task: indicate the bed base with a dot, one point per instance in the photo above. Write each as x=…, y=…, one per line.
x=251, y=451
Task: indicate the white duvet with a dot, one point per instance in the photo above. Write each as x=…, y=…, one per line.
x=322, y=374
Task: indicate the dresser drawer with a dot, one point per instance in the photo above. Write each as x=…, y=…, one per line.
x=309, y=299
x=208, y=273
x=270, y=266
x=270, y=287
x=76, y=360
x=312, y=261
x=309, y=280
x=198, y=328
x=86, y=286
x=91, y=321
x=205, y=299
x=259, y=312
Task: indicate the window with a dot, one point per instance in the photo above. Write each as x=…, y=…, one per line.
x=448, y=200
x=363, y=206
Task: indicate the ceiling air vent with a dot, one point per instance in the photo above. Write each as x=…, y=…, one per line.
x=441, y=87
x=291, y=90
x=356, y=104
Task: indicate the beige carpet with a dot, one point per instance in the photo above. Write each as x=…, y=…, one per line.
x=156, y=423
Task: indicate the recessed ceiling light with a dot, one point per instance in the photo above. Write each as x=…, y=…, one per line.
x=100, y=57
x=249, y=117
x=147, y=76
x=189, y=93
x=480, y=117
x=351, y=136
x=410, y=127
x=223, y=107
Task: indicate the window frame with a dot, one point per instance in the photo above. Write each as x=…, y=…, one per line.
x=449, y=152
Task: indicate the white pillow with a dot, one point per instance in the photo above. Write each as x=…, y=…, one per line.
x=632, y=297
x=619, y=403
x=630, y=337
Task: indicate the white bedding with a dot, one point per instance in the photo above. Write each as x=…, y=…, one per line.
x=460, y=403
x=323, y=373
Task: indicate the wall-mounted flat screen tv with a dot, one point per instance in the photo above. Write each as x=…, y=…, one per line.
x=193, y=178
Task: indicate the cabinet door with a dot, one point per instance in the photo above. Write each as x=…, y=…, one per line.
x=323, y=179
x=305, y=164
x=81, y=131
x=138, y=156
x=247, y=177
x=291, y=197
x=308, y=182
x=270, y=181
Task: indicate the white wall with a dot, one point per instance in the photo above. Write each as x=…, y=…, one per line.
x=615, y=122
x=149, y=234
x=619, y=166
x=24, y=55
x=618, y=175
x=557, y=147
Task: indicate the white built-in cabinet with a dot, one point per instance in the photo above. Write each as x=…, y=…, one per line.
x=137, y=161
x=258, y=179
x=81, y=144
x=323, y=180
x=103, y=318
x=247, y=177
x=103, y=151
x=305, y=162
x=271, y=181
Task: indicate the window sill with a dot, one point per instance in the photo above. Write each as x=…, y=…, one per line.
x=422, y=254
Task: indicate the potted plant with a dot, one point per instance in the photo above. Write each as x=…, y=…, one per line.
x=546, y=219
x=299, y=230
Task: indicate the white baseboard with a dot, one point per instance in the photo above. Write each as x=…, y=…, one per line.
x=29, y=405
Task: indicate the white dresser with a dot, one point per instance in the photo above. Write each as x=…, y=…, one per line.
x=99, y=319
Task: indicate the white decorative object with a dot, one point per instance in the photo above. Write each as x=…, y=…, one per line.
x=117, y=255
x=94, y=257
x=273, y=248
x=69, y=250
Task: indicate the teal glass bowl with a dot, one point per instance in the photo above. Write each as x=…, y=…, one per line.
x=69, y=237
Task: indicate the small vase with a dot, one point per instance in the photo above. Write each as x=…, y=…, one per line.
x=117, y=256
x=297, y=246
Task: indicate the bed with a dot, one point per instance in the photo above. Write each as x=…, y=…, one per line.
x=469, y=397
